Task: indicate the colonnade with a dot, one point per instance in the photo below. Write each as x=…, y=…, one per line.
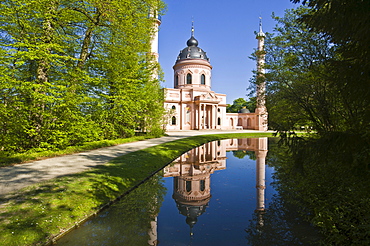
x=206, y=116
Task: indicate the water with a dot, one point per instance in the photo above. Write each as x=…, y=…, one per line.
x=216, y=194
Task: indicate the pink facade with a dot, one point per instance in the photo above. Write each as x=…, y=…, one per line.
x=192, y=105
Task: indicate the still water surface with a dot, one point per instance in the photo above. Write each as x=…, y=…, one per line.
x=216, y=194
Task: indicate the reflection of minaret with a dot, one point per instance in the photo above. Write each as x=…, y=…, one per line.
x=261, y=85
x=261, y=153
x=153, y=240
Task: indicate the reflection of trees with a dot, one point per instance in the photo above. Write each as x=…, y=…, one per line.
x=132, y=216
x=240, y=154
x=127, y=222
x=329, y=180
x=280, y=225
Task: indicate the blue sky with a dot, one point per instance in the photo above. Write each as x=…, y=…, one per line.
x=225, y=30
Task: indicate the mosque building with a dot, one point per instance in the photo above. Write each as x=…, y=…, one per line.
x=192, y=105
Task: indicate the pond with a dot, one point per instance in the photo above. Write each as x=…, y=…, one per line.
x=218, y=194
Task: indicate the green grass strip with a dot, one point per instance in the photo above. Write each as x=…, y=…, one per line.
x=36, y=214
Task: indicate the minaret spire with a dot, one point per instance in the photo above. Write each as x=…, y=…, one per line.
x=260, y=33
x=192, y=27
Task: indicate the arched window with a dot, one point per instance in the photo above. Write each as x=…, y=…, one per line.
x=173, y=120
x=249, y=141
x=176, y=80
x=249, y=122
x=202, y=79
x=240, y=122
x=219, y=121
x=188, y=79
x=173, y=107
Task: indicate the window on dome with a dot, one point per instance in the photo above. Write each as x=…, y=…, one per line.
x=188, y=186
x=188, y=79
x=202, y=185
x=202, y=79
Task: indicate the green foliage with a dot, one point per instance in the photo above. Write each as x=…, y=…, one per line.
x=75, y=71
x=311, y=82
x=298, y=92
x=346, y=24
x=241, y=103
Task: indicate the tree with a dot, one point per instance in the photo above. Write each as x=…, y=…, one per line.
x=346, y=24
x=301, y=90
x=241, y=103
x=75, y=71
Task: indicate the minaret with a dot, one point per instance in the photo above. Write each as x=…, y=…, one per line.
x=153, y=15
x=261, y=85
x=154, y=42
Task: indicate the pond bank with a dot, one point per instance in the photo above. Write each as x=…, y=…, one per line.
x=37, y=214
x=16, y=177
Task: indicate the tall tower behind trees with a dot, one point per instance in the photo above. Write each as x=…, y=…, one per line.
x=261, y=109
x=156, y=18
x=154, y=42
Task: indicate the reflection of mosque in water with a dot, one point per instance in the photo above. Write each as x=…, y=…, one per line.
x=192, y=171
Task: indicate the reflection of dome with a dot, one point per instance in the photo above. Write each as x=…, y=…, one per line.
x=191, y=212
x=192, y=51
x=244, y=110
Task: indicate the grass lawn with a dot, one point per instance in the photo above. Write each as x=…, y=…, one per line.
x=36, y=214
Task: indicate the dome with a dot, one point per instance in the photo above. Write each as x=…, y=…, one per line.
x=192, y=51
x=192, y=42
x=244, y=110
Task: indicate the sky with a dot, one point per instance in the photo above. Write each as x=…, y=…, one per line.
x=225, y=30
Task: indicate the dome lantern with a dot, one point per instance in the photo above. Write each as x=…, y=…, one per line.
x=192, y=51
